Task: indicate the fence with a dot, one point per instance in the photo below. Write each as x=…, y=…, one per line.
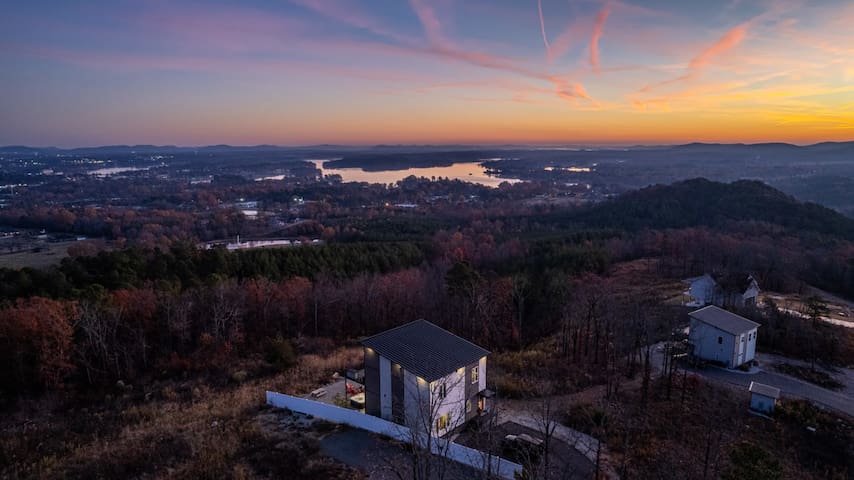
x=468, y=456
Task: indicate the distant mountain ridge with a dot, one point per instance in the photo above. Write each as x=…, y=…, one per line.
x=146, y=148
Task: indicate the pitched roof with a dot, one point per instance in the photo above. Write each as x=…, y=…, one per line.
x=734, y=282
x=764, y=390
x=424, y=349
x=723, y=320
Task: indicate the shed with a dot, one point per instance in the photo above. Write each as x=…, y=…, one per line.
x=720, y=336
x=763, y=398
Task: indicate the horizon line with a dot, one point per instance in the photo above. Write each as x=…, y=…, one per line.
x=424, y=145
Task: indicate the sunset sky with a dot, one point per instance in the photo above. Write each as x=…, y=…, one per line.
x=297, y=72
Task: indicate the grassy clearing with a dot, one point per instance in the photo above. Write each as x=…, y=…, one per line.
x=185, y=430
x=48, y=254
x=708, y=432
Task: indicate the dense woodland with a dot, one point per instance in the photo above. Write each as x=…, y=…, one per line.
x=581, y=291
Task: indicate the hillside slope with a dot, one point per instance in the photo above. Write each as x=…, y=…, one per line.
x=700, y=202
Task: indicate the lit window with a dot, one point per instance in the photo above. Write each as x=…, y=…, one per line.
x=443, y=421
x=474, y=375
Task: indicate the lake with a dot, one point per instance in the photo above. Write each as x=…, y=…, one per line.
x=467, y=172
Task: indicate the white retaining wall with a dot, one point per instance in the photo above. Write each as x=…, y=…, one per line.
x=454, y=451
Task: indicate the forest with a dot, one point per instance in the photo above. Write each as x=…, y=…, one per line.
x=581, y=291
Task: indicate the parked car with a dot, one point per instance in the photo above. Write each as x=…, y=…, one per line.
x=522, y=447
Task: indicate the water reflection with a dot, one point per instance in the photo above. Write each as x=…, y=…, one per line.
x=467, y=172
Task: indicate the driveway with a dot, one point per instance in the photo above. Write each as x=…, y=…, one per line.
x=384, y=460
x=789, y=387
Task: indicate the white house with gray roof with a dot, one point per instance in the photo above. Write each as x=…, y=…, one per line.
x=421, y=375
x=721, y=336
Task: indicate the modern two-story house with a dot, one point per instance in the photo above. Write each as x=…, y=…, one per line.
x=425, y=377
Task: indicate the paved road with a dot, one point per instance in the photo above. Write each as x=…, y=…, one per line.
x=789, y=387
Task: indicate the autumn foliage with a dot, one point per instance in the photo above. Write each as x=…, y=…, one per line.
x=36, y=343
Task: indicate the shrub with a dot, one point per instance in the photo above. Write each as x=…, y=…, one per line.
x=752, y=461
x=280, y=353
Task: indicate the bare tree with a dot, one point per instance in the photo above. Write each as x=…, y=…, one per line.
x=431, y=410
x=520, y=293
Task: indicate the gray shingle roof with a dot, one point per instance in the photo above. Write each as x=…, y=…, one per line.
x=764, y=390
x=424, y=349
x=724, y=320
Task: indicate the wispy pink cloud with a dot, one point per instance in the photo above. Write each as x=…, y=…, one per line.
x=224, y=29
x=443, y=47
x=728, y=41
x=428, y=19
x=348, y=13
x=543, y=27
x=569, y=90
x=598, y=27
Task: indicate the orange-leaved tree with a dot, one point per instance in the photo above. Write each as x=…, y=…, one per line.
x=35, y=343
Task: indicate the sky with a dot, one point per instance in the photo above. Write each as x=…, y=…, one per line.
x=301, y=72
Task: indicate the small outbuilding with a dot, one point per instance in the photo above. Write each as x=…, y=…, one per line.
x=763, y=398
x=720, y=336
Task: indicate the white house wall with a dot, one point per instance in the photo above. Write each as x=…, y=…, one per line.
x=703, y=289
x=481, y=372
x=750, y=295
x=454, y=402
x=704, y=337
x=751, y=345
x=761, y=403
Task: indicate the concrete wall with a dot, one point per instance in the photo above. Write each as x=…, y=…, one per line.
x=468, y=456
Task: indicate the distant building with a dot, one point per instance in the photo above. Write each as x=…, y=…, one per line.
x=251, y=244
x=721, y=336
x=419, y=374
x=728, y=291
x=763, y=398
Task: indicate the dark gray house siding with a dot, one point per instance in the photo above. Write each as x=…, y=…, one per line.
x=372, y=383
x=397, y=409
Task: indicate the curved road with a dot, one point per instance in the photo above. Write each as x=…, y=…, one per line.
x=789, y=387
